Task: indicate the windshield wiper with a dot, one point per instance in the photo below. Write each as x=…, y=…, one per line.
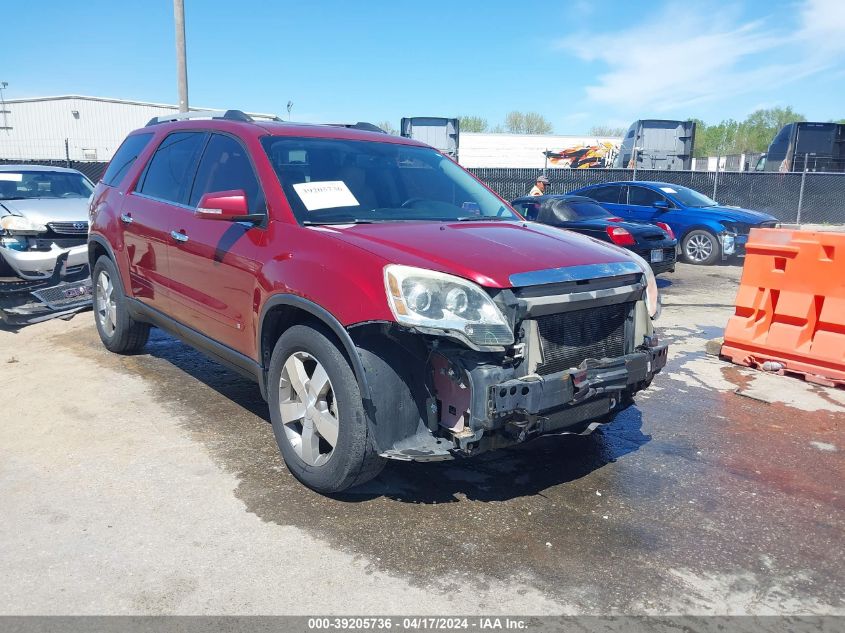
x=329, y=222
x=482, y=218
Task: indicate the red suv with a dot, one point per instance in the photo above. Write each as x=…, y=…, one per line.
x=388, y=304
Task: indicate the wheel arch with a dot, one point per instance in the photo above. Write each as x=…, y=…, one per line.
x=282, y=311
x=97, y=247
x=700, y=226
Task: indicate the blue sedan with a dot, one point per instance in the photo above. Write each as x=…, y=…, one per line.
x=707, y=231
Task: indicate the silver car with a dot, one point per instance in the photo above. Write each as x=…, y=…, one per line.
x=43, y=242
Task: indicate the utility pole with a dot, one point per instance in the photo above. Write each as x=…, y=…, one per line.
x=181, y=63
x=3, y=110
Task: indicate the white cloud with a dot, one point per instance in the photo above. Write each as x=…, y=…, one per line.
x=684, y=56
x=823, y=26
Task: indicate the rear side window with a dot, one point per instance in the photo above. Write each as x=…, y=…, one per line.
x=124, y=158
x=643, y=197
x=608, y=194
x=170, y=172
x=225, y=166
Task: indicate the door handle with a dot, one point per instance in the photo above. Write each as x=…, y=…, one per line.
x=126, y=218
x=179, y=237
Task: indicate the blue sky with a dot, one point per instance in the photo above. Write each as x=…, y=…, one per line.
x=578, y=63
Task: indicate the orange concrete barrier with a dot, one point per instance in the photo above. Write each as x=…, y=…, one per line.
x=790, y=307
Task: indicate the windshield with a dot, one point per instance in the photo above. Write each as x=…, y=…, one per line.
x=337, y=181
x=21, y=185
x=689, y=197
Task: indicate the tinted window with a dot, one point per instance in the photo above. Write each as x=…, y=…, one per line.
x=226, y=166
x=124, y=158
x=608, y=194
x=171, y=169
x=587, y=211
x=341, y=181
x=643, y=197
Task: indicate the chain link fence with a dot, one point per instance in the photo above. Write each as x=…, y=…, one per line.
x=808, y=197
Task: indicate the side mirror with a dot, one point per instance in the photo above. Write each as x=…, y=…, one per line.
x=661, y=205
x=224, y=205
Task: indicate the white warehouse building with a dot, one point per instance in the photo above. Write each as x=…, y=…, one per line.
x=74, y=127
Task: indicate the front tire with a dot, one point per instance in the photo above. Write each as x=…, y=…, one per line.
x=701, y=247
x=118, y=331
x=317, y=413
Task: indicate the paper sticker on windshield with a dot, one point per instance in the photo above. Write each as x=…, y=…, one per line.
x=10, y=177
x=328, y=194
x=668, y=190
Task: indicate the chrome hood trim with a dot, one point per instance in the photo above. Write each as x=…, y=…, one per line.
x=575, y=273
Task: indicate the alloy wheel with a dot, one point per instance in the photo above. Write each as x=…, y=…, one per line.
x=699, y=248
x=106, y=306
x=308, y=408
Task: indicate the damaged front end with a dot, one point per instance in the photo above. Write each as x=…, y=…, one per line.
x=44, y=269
x=582, y=346
x=64, y=291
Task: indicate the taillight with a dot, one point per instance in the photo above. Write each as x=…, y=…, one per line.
x=620, y=236
x=666, y=228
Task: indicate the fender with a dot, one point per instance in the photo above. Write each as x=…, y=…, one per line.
x=699, y=226
x=328, y=319
x=100, y=241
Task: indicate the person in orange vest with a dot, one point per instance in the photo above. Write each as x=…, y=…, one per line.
x=539, y=187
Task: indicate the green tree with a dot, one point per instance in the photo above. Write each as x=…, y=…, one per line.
x=606, y=130
x=473, y=124
x=527, y=123
x=736, y=137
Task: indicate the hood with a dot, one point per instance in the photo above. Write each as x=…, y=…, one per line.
x=44, y=210
x=734, y=214
x=488, y=253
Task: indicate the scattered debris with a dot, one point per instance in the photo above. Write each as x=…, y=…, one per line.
x=713, y=346
x=753, y=395
x=824, y=446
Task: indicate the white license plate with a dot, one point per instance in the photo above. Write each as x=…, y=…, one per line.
x=656, y=255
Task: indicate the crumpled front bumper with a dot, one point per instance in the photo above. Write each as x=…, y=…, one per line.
x=538, y=394
x=574, y=400
x=59, y=294
x=36, y=265
x=502, y=409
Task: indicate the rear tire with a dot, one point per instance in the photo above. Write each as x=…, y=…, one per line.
x=118, y=331
x=317, y=413
x=701, y=247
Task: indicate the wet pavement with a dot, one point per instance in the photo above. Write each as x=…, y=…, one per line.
x=719, y=492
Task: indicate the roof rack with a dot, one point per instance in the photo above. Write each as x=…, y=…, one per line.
x=229, y=115
x=361, y=125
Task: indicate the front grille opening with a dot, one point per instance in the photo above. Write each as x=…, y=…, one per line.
x=569, y=338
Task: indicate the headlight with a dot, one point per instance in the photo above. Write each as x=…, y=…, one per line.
x=737, y=228
x=20, y=224
x=426, y=298
x=652, y=296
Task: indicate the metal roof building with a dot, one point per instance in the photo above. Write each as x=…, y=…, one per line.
x=74, y=127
